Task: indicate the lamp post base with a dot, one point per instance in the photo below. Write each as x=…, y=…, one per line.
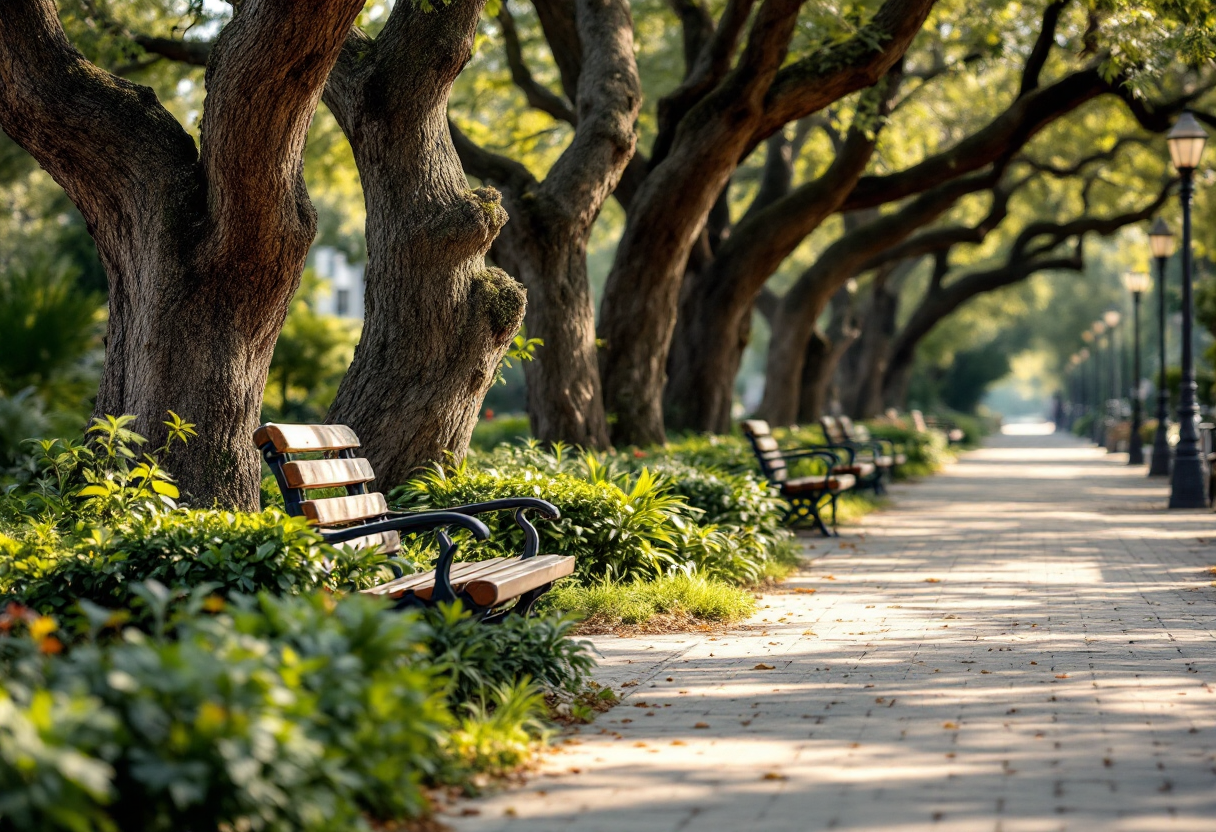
x=1135, y=448
x=1159, y=463
x=1188, y=486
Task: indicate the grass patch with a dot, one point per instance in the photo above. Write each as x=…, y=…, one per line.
x=852, y=506
x=672, y=602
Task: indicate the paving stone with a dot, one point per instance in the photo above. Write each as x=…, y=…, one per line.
x=1022, y=643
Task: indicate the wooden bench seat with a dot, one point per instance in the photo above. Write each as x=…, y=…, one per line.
x=361, y=518
x=805, y=495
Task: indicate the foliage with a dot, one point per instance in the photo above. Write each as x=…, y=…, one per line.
x=620, y=519
x=310, y=358
x=183, y=549
x=495, y=430
x=276, y=714
x=102, y=478
x=476, y=658
x=47, y=326
x=608, y=604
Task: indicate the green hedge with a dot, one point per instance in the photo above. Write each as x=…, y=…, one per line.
x=621, y=521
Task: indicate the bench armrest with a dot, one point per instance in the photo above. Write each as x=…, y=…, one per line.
x=835, y=449
x=411, y=524
x=520, y=505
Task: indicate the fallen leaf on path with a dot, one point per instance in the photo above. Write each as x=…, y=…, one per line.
x=804, y=591
x=773, y=775
x=1061, y=675
x=678, y=742
x=933, y=580
x=701, y=725
x=763, y=666
x=950, y=726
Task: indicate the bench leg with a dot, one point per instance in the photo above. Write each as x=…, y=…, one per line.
x=522, y=606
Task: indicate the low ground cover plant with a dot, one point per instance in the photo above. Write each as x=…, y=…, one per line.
x=679, y=599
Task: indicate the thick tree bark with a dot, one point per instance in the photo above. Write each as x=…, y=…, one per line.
x=203, y=249
x=545, y=244
x=671, y=206
x=437, y=319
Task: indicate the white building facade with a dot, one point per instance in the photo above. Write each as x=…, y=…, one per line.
x=341, y=291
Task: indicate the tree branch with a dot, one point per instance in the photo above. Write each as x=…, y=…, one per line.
x=105, y=140
x=557, y=19
x=537, y=95
x=809, y=84
x=490, y=167
x=609, y=97
x=265, y=76
x=1042, y=47
x=710, y=67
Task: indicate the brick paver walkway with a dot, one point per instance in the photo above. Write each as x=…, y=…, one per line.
x=1022, y=643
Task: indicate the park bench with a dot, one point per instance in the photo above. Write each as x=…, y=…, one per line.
x=842, y=431
x=804, y=494
x=954, y=434
x=361, y=518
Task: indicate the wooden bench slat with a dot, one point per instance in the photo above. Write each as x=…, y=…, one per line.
x=766, y=443
x=398, y=587
x=327, y=473
x=333, y=511
x=387, y=541
x=294, y=439
x=520, y=577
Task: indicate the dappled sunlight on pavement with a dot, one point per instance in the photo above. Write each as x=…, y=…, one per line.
x=1022, y=643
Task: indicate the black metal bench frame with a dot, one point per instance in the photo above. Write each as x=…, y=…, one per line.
x=804, y=506
x=439, y=522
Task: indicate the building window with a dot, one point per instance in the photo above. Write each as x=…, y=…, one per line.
x=343, y=303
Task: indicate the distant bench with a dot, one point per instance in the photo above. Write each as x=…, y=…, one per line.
x=841, y=430
x=362, y=518
x=805, y=494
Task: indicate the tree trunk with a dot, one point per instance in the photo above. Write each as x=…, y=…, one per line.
x=545, y=244
x=706, y=351
x=437, y=320
x=862, y=398
x=895, y=381
x=565, y=402
x=203, y=247
x=817, y=377
x=787, y=351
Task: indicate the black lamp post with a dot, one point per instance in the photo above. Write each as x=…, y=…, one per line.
x=1114, y=402
x=1097, y=329
x=1137, y=283
x=1188, y=485
x=1091, y=399
x=1161, y=241
x=1082, y=367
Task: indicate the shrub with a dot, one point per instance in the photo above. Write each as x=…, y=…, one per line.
x=273, y=714
x=607, y=604
x=278, y=714
x=476, y=658
x=611, y=532
x=620, y=519
x=183, y=548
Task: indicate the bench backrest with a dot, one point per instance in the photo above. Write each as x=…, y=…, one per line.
x=334, y=463
x=852, y=431
x=832, y=429
x=772, y=461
